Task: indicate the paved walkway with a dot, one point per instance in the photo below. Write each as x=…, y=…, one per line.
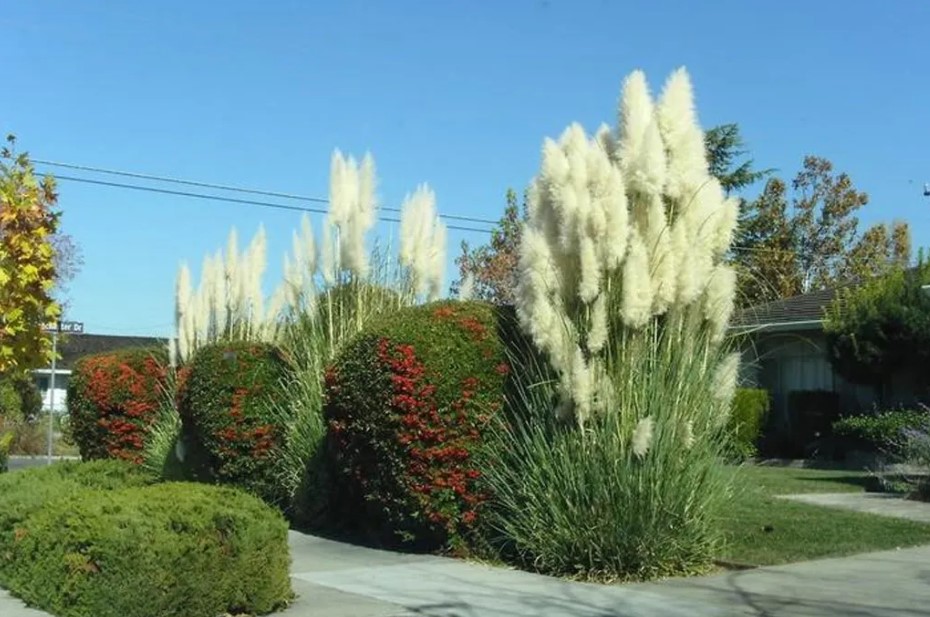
x=884, y=504
x=340, y=580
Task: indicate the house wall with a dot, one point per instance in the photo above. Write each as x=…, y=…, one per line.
x=42, y=378
x=791, y=360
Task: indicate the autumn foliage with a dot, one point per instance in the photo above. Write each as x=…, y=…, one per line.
x=407, y=406
x=227, y=405
x=27, y=262
x=113, y=400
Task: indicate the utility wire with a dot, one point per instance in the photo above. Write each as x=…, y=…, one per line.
x=226, y=187
x=251, y=202
x=266, y=204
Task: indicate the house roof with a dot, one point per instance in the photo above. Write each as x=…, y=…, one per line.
x=75, y=346
x=807, y=307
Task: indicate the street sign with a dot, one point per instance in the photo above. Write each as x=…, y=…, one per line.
x=65, y=327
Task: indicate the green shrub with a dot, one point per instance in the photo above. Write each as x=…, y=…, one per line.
x=227, y=410
x=5, y=440
x=407, y=404
x=169, y=550
x=25, y=492
x=113, y=400
x=20, y=398
x=882, y=432
x=749, y=411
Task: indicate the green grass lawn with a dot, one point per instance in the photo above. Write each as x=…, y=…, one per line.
x=763, y=529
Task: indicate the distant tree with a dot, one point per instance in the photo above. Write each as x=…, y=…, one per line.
x=881, y=328
x=788, y=247
x=68, y=262
x=28, y=221
x=493, y=267
x=725, y=147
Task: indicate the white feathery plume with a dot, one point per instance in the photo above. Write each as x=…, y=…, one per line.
x=725, y=379
x=182, y=311
x=582, y=386
x=684, y=140
x=642, y=437
x=423, y=242
x=640, y=150
x=307, y=244
x=219, y=294
x=719, y=300
x=636, y=306
x=329, y=257
x=597, y=335
x=467, y=287
x=688, y=435
x=233, y=290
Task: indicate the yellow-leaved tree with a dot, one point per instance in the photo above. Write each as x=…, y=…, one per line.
x=27, y=262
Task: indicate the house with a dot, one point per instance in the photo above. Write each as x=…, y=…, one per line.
x=784, y=350
x=73, y=347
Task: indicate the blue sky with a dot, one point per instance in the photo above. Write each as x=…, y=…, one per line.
x=457, y=94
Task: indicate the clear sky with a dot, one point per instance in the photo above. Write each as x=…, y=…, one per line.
x=457, y=94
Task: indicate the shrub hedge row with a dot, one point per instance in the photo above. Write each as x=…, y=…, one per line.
x=407, y=403
x=881, y=432
x=113, y=399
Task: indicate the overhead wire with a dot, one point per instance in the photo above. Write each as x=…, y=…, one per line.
x=231, y=188
x=221, y=198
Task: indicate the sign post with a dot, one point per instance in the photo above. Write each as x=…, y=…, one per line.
x=73, y=327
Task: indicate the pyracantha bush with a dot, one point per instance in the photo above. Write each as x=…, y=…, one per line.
x=113, y=400
x=407, y=405
x=226, y=405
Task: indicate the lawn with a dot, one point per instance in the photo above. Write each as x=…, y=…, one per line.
x=763, y=529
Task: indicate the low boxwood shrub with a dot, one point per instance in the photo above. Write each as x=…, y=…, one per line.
x=226, y=405
x=880, y=432
x=25, y=492
x=749, y=412
x=168, y=550
x=113, y=400
x=407, y=403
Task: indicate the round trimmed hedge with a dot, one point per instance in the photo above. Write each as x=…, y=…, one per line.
x=229, y=405
x=407, y=404
x=169, y=550
x=113, y=401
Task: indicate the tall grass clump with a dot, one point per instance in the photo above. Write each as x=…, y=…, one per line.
x=333, y=285
x=611, y=456
x=332, y=289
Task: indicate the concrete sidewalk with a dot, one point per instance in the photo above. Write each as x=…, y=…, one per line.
x=334, y=579
x=886, y=584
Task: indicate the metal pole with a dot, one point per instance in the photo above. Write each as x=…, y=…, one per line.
x=51, y=396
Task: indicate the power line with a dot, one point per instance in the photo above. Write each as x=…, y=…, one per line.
x=226, y=187
x=251, y=202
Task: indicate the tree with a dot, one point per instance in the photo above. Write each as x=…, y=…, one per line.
x=881, y=328
x=68, y=262
x=492, y=267
x=724, y=146
x=813, y=244
x=27, y=262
